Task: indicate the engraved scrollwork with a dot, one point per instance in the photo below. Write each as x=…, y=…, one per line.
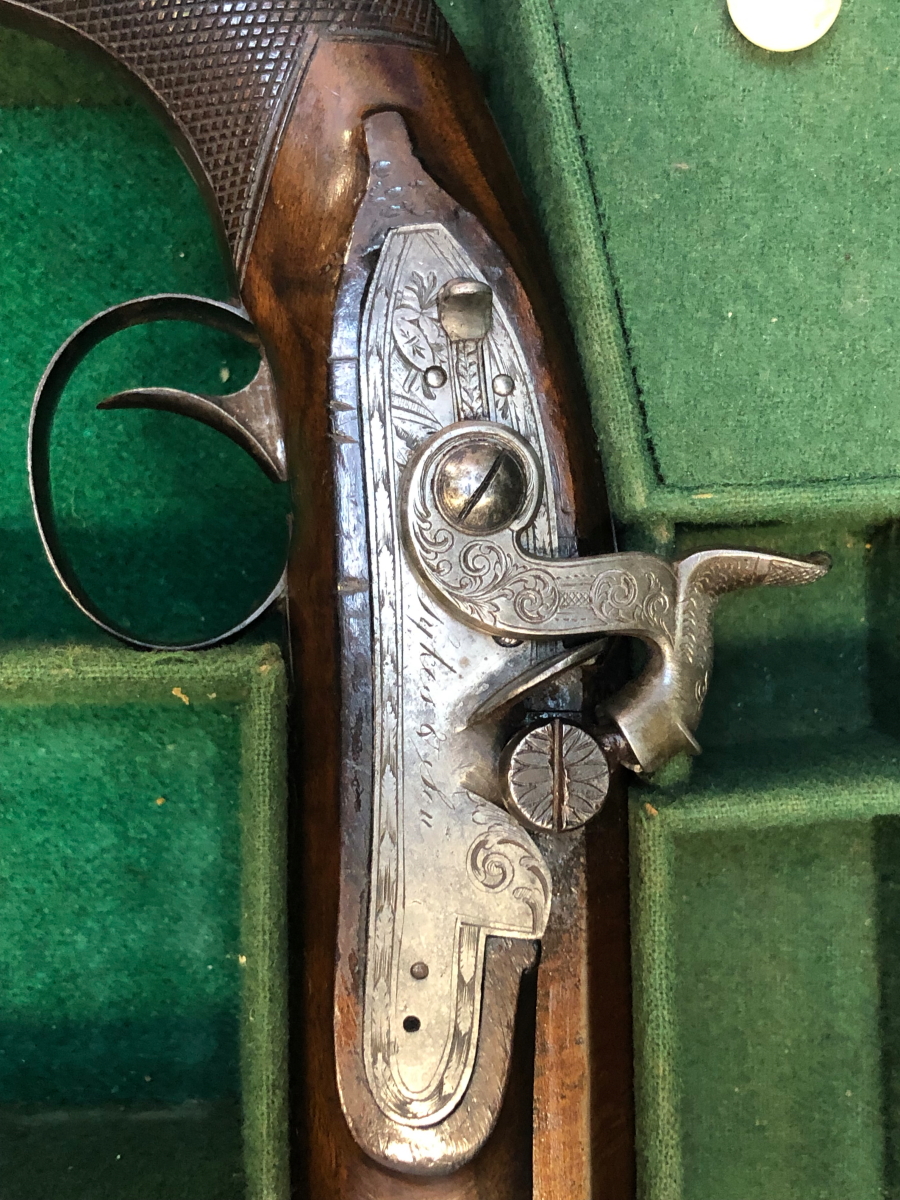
x=668, y=605
x=485, y=569
x=496, y=861
x=617, y=599
x=435, y=542
x=490, y=863
x=657, y=607
x=487, y=575
x=433, y=893
x=536, y=598
x=614, y=593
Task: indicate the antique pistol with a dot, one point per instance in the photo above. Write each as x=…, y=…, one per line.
x=451, y=589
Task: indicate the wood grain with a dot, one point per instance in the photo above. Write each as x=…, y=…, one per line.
x=290, y=286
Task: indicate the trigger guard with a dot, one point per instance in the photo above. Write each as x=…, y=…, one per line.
x=166, y=307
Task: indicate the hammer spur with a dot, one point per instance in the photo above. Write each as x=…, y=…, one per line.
x=481, y=571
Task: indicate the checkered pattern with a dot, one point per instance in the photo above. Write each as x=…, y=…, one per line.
x=226, y=70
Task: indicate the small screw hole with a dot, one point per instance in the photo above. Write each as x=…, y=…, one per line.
x=412, y=1024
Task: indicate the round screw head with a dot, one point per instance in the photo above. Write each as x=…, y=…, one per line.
x=556, y=777
x=480, y=486
x=465, y=309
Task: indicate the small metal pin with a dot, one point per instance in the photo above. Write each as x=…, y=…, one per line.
x=503, y=385
x=435, y=376
x=419, y=970
x=465, y=309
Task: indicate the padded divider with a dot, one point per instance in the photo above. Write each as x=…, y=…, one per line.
x=721, y=219
x=767, y=930
x=765, y=897
x=766, y=871
x=142, y=925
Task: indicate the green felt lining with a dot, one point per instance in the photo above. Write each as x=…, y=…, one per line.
x=680, y=176
x=142, y=943
x=174, y=530
x=766, y=928
x=765, y=881
x=782, y=835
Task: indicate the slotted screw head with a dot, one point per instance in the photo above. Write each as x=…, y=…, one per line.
x=480, y=486
x=555, y=776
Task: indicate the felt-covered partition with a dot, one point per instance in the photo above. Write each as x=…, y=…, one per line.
x=142, y=924
x=143, y=1032
x=722, y=223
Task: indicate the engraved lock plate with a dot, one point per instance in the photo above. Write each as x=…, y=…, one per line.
x=448, y=867
x=456, y=581
x=427, y=333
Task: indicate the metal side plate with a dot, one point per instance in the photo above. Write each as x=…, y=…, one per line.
x=439, y=884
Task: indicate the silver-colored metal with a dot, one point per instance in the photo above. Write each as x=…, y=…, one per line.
x=464, y=869
x=556, y=776
x=434, y=869
x=465, y=309
x=537, y=676
x=478, y=489
x=449, y=868
x=249, y=417
x=465, y=314
x=493, y=583
x=252, y=421
x=450, y=625
x=435, y=377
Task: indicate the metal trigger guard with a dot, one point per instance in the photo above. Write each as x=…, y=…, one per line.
x=248, y=417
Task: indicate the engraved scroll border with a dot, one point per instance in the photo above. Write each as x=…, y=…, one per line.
x=388, y=569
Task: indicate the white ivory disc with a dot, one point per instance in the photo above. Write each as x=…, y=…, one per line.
x=783, y=24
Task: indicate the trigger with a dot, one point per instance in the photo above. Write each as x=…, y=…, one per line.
x=249, y=417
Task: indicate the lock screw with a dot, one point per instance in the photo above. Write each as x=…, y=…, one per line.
x=480, y=486
x=555, y=776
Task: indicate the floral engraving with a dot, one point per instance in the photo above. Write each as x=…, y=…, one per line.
x=428, y=895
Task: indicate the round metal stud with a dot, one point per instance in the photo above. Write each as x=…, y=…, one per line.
x=555, y=777
x=783, y=25
x=419, y=970
x=435, y=376
x=480, y=486
x=503, y=385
